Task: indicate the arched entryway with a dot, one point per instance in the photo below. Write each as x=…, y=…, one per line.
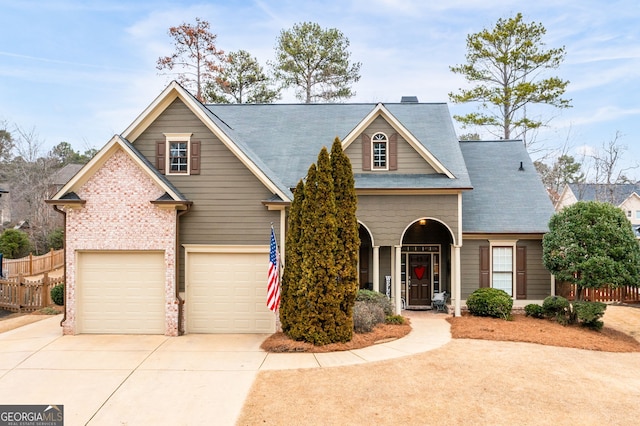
x=425, y=263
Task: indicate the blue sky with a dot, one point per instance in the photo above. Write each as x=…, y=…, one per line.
x=81, y=71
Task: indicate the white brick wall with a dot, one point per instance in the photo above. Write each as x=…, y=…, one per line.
x=118, y=215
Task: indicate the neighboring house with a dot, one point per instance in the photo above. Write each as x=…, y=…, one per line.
x=624, y=196
x=62, y=176
x=167, y=227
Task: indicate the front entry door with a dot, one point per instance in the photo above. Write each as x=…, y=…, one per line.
x=420, y=284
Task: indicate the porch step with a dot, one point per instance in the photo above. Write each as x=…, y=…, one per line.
x=419, y=308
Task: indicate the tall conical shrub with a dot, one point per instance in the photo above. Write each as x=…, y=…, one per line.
x=348, y=240
x=320, y=278
x=290, y=313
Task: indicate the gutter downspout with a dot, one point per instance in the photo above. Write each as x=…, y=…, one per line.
x=64, y=259
x=177, y=271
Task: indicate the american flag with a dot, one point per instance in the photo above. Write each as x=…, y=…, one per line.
x=273, y=285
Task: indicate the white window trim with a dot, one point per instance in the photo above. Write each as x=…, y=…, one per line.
x=504, y=243
x=386, y=160
x=177, y=137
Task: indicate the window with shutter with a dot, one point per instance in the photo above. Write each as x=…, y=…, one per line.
x=178, y=154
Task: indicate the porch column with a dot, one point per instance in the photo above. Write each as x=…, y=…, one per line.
x=376, y=268
x=456, y=279
x=553, y=285
x=397, y=290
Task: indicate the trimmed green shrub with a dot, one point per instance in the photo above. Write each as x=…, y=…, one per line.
x=557, y=307
x=378, y=298
x=490, y=302
x=394, y=319
x=533, y=310
x=57, y=294
x=590, y=313
x=366, y=316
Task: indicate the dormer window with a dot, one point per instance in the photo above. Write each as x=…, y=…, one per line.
x=380, y=150
x=178, y=155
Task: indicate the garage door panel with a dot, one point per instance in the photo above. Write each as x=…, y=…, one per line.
x=121, y=292
x=226, y=293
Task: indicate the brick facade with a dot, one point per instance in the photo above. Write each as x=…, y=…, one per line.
x=118, y=215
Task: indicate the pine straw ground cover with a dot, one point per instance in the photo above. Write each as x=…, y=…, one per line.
x=519, y=329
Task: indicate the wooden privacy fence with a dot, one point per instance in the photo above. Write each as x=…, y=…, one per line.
x=627, y=294
x=33, y=265
x=24, y=294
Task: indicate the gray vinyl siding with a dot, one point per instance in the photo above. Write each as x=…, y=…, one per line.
x=470, y=266
x=387, y=216
x=227, y=197
x=409, y=161
x=538, y=278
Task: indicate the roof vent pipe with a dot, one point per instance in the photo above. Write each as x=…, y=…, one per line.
x=521, y=168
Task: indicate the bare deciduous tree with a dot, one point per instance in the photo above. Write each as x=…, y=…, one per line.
x=196, y=57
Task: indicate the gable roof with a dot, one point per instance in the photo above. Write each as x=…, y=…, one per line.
x=505, y=199
x=278, y=142
x=287, y=138
x=175, y=91
x=67, y=192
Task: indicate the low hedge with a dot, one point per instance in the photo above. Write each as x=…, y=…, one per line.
x=490, y=302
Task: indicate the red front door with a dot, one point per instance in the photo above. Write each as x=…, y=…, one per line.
x=420, y=284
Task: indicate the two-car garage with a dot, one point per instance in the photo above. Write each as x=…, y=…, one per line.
x=123, y=292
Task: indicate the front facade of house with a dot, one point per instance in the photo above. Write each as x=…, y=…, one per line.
x=168, y=226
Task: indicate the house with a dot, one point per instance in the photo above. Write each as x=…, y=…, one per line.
x=167, y=227
x=626, y=196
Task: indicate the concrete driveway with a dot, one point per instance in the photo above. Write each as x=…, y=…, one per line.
x=142, y=380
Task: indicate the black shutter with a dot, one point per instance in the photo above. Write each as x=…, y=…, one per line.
x=161, y=153
x=485, y=266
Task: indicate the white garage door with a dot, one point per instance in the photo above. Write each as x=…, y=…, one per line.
x=121, y=292
x=226, y=292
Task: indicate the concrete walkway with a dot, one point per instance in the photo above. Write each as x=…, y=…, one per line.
x=188, y=380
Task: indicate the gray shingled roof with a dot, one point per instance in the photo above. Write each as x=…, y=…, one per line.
x=504, y=199
x=64, y=175
x=614, y=193
x=283, y=140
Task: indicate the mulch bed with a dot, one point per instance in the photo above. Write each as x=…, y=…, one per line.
x=279, y=342
x=542, y=331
